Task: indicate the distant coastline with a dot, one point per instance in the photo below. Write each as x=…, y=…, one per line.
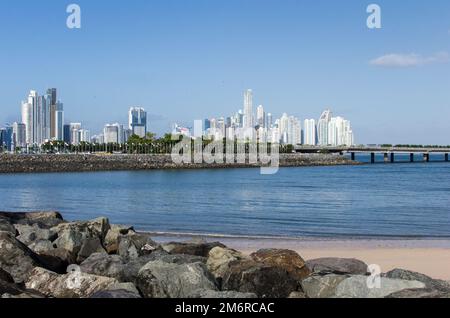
x=122, y=162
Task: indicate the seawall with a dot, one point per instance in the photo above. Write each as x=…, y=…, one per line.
x=102, y=162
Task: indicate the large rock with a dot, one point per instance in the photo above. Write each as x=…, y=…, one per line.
x=219, y=259
x=288, y=260
x=41, y=246
x=121, y=290
x=6, y=226
x=72, y=285
x=42, y=219
x=102, y=264
x=16, y=258
x=322, y=286
x=90, y=246
x=332, y=265
x=159, y=279
x=113, y=235
x=249, y=276
x=419, y=293
x=357, y=287
x=31, y=233
x=214, y=294
x=429, y=282
x=134, y=245
x=71, y=236
x=197, y=249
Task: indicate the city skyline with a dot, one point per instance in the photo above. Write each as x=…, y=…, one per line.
x=42, y=120
x=300, y=57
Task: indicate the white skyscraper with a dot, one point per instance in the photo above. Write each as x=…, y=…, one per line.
x=260, y=116
x=309, y=130
x=322, y=128
x=27, y=120
x=248, y=109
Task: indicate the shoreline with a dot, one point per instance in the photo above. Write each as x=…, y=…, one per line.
x=430, y=256
x=44, y=163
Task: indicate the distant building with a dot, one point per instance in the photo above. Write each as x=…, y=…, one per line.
x=19, y=135
x=137, y=121
x=6, y=135
x=309, y=129
x=113, y=133
x=260, y=116
x=248, y=109
x=322, y=128
x=66, y=134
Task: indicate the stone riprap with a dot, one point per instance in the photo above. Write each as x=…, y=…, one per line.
x=42, y=255
x=96, y=162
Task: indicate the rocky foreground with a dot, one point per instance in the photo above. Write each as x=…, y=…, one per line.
x=41, y=255
x=95, y=162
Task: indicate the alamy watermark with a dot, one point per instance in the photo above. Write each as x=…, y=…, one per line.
x=190, y=150
x=74, y=19
x=374, y=19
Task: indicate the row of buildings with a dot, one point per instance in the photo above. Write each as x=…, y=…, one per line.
x=261, y=126
x=42, y=120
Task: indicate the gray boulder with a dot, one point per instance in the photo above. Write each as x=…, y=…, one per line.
x=333, y=265
x=214, y=294
x=113, y=235
x=249, y=276
x=41, y=246
x=6, y=226
x=357, y=287
x=297, y=294
x=102, y=264
x=75, y=284
x=159, y=279
x=71, y=236
x=134, y=245
x=120, y=290
x=197, y=249
x=16, y=258
x=31, y=233
x=419, y=293
x=90, y=246
x=429, y=282
x=42, y=219
x=321, y=286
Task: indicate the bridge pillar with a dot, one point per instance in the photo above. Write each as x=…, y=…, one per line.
x=386, y=157
x=372, y=157
x=446, y=157
x=353, y=156
x=392, y=157
x=426, y=157
x=411, y=157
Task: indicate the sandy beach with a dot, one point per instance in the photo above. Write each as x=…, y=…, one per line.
x=427, y=256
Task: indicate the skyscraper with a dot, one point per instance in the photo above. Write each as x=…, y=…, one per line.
x=260, y=116
x=137, y=121
x=19, y=135
x=309, y=129
x=322, y=128
x=58, y=121
x=27, y=120
x=248, y=109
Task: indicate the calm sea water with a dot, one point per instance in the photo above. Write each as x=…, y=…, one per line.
x=400, y=200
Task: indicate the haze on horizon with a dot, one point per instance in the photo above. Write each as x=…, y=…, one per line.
x=187, y=60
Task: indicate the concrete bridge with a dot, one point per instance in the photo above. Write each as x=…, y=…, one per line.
x=388, y=152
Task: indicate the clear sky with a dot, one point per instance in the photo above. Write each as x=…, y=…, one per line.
x=191, y=59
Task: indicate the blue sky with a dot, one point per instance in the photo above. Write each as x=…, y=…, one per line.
x=189, y=59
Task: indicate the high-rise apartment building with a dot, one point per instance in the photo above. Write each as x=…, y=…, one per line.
x=309, y=130
x=248, y=109
x=322, y=128
x=137, y=121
